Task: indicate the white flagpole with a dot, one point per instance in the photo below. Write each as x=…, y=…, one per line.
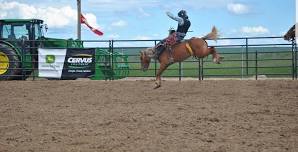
x=79, y=19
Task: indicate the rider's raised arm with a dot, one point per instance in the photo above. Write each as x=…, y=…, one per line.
x=178, y=19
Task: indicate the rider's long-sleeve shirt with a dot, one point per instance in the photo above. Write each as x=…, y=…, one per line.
x=183, y=25
x=178, y=19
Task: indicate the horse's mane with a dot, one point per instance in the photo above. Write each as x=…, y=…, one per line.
x=150, y=52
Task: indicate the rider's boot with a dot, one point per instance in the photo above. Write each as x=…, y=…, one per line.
x=171, y=59
x=160, y=49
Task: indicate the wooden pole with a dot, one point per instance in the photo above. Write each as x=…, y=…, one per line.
x=79, y=19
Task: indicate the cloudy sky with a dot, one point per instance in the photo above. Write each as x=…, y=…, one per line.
x=146, y=19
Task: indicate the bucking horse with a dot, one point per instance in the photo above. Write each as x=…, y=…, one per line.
x=196, y=47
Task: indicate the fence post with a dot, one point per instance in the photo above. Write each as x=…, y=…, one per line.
x=155, y=63
x=199, y=68
x=202, y=69
x=111, y=60
x=294, y=57
x=293, y=62
x=246, y=51
x=180, y=71
x=256, y=65
x=242, y=62
x=33, y=60
x=23, y=61
x=296, y=52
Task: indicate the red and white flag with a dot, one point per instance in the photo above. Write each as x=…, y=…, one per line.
x=84, y=21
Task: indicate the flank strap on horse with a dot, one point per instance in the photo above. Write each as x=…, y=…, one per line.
x=189, y=49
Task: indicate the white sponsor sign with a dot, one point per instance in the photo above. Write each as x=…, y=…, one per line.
x=50, y=62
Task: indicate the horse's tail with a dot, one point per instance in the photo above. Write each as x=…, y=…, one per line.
x=213, y=35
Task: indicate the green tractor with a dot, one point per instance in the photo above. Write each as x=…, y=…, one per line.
x=19, y=43
x=15, y=47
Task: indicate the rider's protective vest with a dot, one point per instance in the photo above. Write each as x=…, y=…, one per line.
x=184, y=28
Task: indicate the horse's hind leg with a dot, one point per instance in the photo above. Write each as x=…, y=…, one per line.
x=215, y=56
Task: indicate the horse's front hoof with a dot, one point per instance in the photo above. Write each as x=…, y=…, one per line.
x=157, y=86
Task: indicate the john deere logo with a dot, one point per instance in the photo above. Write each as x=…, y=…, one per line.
x=50, y=59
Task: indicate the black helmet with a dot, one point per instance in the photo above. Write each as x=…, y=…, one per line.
x=182, y=13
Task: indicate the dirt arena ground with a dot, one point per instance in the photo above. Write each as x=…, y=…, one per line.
x=187, y=116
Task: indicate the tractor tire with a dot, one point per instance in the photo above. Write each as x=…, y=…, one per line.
x=10, y=65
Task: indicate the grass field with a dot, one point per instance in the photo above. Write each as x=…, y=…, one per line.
x=269, y=61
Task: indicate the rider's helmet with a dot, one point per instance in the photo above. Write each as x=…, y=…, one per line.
x=182, y=14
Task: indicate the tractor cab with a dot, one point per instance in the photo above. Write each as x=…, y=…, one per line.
x=22, y=33
x=20, y=29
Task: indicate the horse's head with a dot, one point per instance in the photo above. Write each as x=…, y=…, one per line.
x=145, y=57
